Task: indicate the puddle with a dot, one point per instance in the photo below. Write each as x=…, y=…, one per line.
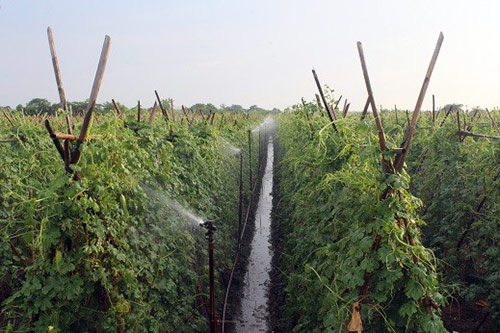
x=254, y=310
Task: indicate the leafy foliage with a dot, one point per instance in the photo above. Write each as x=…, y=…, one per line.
x=108, y=252
x=331, y=209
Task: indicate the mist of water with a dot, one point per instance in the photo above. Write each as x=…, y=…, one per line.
x=266, y=124
x=184, y=214
x=229, y=147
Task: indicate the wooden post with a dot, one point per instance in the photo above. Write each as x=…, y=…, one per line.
x=75, y=157
x=172, y=109
x=378, y=122
x=250, y=160
x=396, y=111
x=57, y=71
x=153, y=112
x=327, y=107
x=240, y=201
x=165, y=113
x=433, y=109
x=117, y=108
x=307, y=117
x=56, y=142
x=69, y=123
x=186, y=115
x=365, y=108
x=344, y=109
x=335, y=107
x=400, y=158
x=138, y=111
x=318, y=101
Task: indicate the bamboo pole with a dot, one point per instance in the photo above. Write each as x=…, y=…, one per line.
x=153, y=112
x=165, y=113
x=400, y=158
x=433, y=109
x=138, y=111
x=57, y=71
x=318, y=101
x=327, y=107
x=365, y=108
x=75, y=156
x=172, y=109
x=56, y=142
x=378, y=122
x=96, y=86
x=8, y=140
x=117, y=108
x=467, y=133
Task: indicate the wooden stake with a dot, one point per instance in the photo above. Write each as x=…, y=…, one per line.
x=70, y=124
x=378, y=122
x=318, y=101
x=96, y=86
x=57, y=72
x=138, y=111
x=433, y=109
x=56, y=142
x=327, y=107
x=165, y=113
x=75, y=156
x=399, y=160
x=8, y=140
x=365, y=108
x=152, y=114
x=184, y=110
x=459, y=128
x=466, y=133
x=117, y=108
x=172, y=109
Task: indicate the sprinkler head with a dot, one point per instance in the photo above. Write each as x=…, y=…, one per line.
x=208, y=224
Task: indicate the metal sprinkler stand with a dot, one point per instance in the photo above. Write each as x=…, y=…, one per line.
x=240, y=202
x=209, y=225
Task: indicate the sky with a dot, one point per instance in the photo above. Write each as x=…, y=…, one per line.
x=251, y=52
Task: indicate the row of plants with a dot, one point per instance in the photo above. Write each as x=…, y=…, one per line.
x=458, y=180
x=114, y=250
x=348, y=233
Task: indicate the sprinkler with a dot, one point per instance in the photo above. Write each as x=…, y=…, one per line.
x=209, y=225
x=250, y=158
x=240, y=202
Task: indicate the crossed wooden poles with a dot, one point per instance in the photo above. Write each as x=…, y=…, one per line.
x=389, y=166
x=71, y=155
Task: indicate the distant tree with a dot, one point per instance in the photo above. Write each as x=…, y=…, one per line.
x=78, y=107
x=39, y=106
x=235, y=108
x=453, y=107
x=205, y=108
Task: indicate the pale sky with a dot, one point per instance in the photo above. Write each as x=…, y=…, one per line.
x=252, y=52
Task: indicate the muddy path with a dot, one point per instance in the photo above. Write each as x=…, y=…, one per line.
x=254, y=303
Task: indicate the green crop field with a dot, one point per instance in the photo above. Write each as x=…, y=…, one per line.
x=222, y=219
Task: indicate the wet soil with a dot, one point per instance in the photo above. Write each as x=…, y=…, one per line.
x=254, y=303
